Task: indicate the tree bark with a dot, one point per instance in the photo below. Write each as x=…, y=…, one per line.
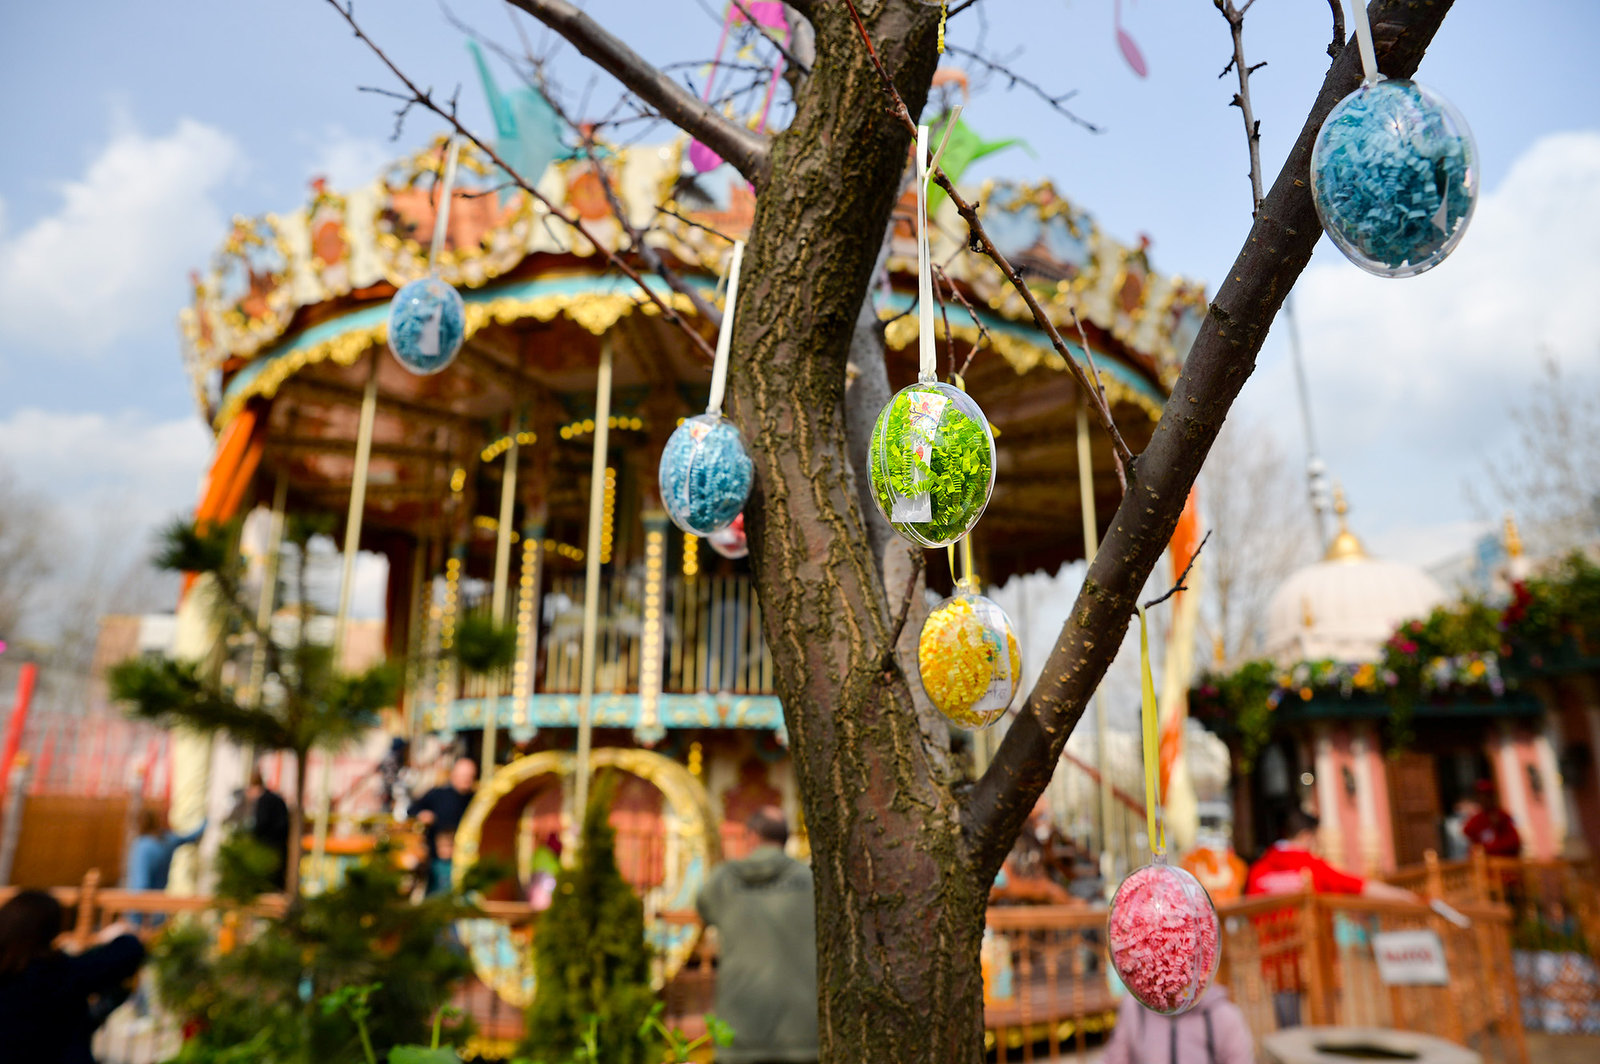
x=899, y=915
x=297, y=827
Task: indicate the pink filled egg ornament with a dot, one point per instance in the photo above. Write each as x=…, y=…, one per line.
x=1164, y=937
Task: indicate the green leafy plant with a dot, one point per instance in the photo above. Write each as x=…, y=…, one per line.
x=379, y=959
x=590, y=956
x=956, y=477
x=313, y=705
x=483, y=647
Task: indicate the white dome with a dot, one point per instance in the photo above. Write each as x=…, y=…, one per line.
x=1346, y=606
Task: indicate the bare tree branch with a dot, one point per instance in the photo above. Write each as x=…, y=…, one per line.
x=746, y=150
x=1241, y=100
x=1179, y=584
x=425, y=99
x=1275, y=252
x=649, y=255
x=978, y=240
x=1337, y=44
x=1056, y=101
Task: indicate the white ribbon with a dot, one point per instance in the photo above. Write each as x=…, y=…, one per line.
x=926, y=349
x=441, y=214
x=1369, y=57
x=719, y=366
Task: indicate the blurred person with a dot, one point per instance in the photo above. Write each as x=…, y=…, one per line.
x=1292, y=864
x=265, y=815
x=1213, y=1032
x=52, y=1002
x=150, y=859
x=1456, y=846
x=1289, y=866
x=1491, y=826
x=764, y=911
x=439, y=812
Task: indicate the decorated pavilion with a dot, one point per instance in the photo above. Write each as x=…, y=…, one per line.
x=1357, y=715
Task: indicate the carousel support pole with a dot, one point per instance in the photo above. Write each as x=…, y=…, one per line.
x=347, y=577
x=591, y=577
x=268, y=598
x=1091, y=545
x=416, y=633
x=497, y=608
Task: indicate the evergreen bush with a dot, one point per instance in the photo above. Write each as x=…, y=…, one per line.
x=590, y=956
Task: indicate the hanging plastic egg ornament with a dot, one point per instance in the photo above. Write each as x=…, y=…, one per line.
x=427, y=324
x=1394, y=175
x=730, y=542
x=968, y=659
x=1164, y=937
x=931, y=463
x=705, y=474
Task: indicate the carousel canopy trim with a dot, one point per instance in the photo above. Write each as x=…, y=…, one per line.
x=595, y=303
x=674, y=711
x=356, y=246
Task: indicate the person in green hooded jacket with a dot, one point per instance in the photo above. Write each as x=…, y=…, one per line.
x=763, y=907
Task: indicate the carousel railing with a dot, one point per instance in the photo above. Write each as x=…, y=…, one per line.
x=711, y=630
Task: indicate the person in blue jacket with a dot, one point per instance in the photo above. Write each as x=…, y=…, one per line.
x=150, y=860
x=51, y=1002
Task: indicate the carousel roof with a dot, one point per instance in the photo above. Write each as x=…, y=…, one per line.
x=293, y=305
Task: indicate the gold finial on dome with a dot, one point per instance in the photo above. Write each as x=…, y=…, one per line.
x=1345, y=546
x=1513, y=538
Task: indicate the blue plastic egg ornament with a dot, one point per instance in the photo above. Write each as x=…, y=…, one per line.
x=427, y=324
x=1394, y=175
x=705, y=474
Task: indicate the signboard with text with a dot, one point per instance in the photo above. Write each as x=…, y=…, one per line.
x=1410, y=958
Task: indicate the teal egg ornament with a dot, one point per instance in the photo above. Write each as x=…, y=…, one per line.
x=427, y=325
x=705, y=474
x=1394, y=176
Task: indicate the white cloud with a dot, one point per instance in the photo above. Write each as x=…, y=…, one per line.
x=347, y=161
x=108, y=262
x=97, y=467
x=1412, y=379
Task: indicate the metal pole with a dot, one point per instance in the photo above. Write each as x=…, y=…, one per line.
x=1316, y=475
x=1091, y=546
x=497, y=609
x=347, y=575
x=27, y=677
x=11, y=831
x=591, y=577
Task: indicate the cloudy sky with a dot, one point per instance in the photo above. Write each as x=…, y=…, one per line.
x=136, y=131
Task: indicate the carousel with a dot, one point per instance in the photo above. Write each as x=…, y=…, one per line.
x=519, y=480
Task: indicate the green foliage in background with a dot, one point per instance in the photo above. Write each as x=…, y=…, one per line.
x=265, y=992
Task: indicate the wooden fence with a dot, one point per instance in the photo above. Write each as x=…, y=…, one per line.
x=1046, y=989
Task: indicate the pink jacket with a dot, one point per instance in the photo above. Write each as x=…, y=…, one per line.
x=1213, y=1032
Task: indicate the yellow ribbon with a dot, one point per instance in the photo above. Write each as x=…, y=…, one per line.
x=1152, y=741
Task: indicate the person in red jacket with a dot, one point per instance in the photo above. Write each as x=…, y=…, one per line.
x=1290, y=865
x=1492, y=827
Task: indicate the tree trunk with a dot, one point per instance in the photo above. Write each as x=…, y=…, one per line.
x=297, y=826
x=899, y=908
